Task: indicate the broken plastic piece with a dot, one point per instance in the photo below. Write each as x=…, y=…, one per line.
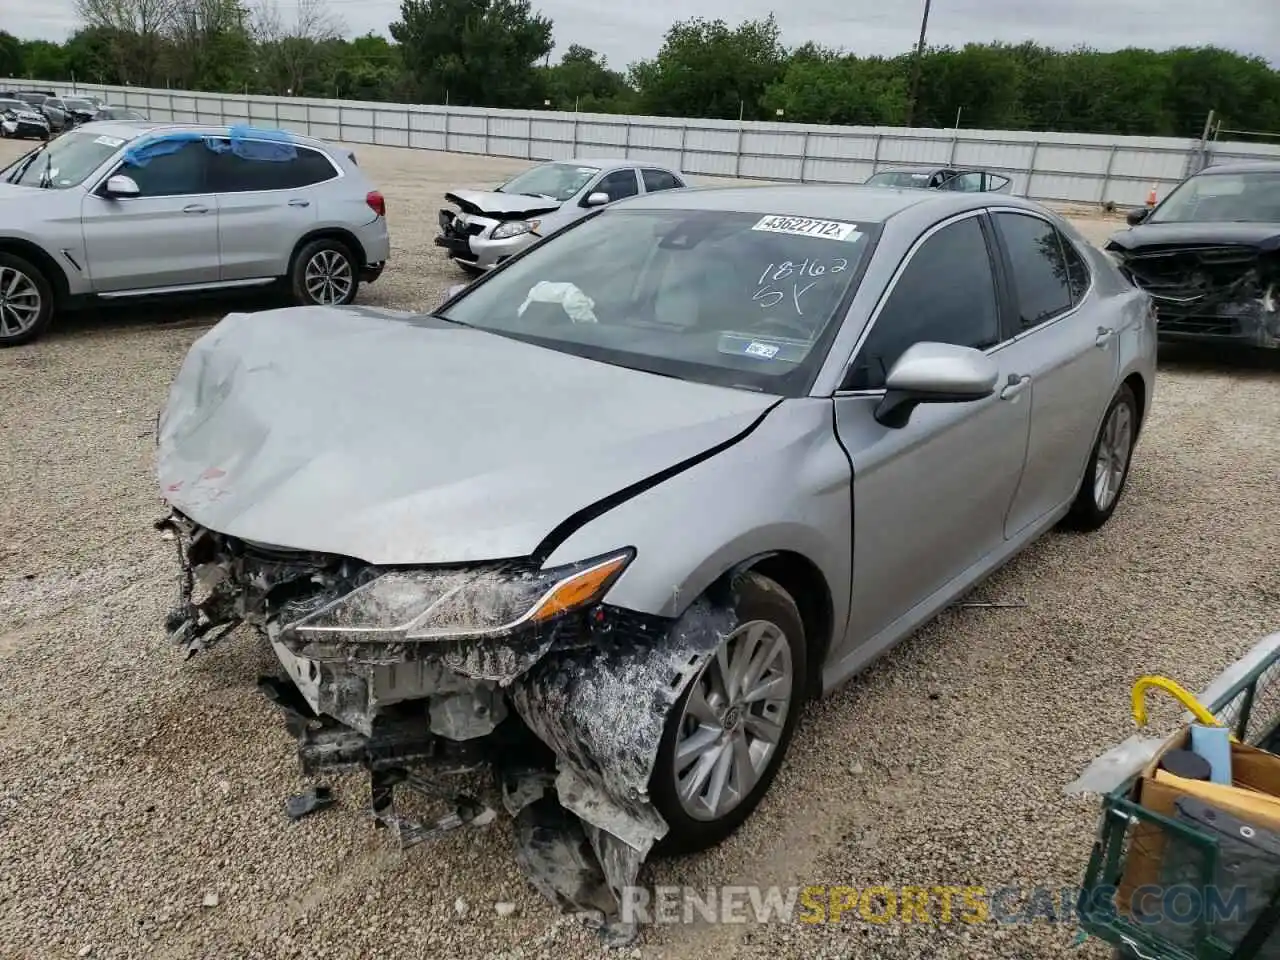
x=311, y=800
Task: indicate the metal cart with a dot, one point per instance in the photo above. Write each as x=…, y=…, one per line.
x=1245, y=698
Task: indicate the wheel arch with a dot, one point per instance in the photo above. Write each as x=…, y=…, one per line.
x=802, y=579
x=1138, y=385
x=341, y=234
x=41, y=259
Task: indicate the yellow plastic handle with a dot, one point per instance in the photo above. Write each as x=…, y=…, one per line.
x=1177, y=692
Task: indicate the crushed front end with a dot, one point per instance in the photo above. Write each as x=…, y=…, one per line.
x=1216, y=293
x=416, y=675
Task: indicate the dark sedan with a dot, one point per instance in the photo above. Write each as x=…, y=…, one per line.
x=1209, y=255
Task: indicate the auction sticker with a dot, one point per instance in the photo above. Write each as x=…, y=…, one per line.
x=109, y=141
x=806, y=227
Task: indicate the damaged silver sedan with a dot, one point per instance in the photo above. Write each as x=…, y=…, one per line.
x=605, y=520
x=1209, y=255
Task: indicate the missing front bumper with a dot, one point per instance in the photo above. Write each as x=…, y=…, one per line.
x=569, y=719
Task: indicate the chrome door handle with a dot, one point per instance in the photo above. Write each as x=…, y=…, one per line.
x=1015, y=386
x=299, y=203
x=1104, y=336
x=194, y=208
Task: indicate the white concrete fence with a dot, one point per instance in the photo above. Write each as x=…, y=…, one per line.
x=1070, y=167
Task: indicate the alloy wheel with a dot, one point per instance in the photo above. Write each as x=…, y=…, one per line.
x=20, y=302
x=1114, y=448
x=328, y=277
x=733, y=720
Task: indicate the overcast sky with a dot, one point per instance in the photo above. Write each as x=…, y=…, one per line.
x=624, y=33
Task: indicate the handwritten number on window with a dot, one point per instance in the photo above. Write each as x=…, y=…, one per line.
x=768, y=295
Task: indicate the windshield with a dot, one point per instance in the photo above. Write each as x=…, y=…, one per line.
x=64, y=162
x=119, y=113
x=558, y=181
x=1252, y=197
x=78, y=104
x=737, y=299
x=898, y=178
x=13, y=105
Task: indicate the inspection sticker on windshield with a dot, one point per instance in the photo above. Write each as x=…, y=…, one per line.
x=805, y=227
x=757, y=349
x=109, y=141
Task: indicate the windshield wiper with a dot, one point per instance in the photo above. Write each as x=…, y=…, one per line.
x=46, y=176
x=24, y=165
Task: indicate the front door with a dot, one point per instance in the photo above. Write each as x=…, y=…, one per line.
x=1073, y=363
x=167, y=236
x=929, y=498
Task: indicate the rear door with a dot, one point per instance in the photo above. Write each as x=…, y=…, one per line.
x=166, y=236
x=264, y=206
x=1072, y=361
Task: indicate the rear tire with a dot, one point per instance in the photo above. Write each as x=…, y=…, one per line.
x=324, y=273
x=704, y=724
x=1108, y=468
x=26, y=301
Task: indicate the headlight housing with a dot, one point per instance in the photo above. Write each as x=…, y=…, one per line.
x=438, y=605
x=514, y=228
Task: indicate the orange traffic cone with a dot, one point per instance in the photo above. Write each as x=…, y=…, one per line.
x=1151, y=197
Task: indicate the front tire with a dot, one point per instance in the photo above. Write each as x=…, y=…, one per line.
x=1108, y=467
x=727, y=735
x=324, y=274
x=26, y=301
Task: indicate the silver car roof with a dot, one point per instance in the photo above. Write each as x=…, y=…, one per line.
x=131, y=129
x=854, y=202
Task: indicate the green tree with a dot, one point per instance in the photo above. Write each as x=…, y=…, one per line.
x=706, y=69
x=11, y=60
x=474, y=52
x=583, y=78
x=824, y=87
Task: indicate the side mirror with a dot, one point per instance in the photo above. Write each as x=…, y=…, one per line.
x=122, y=186
x=597, y=199
x=1137, y=215
x=935, y=373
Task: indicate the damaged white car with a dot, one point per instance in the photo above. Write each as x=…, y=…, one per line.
x=606, y=519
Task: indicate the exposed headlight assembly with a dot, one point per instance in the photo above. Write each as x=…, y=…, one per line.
x=436, y=605
x=514, y=228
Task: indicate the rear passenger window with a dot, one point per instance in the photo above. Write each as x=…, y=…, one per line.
x=235, y=174
x=1077, y=271
x=1039, y=268
x=655, y=180
x=946, y=294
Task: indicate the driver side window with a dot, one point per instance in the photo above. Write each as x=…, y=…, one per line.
x=618, y=185
x=946, y=294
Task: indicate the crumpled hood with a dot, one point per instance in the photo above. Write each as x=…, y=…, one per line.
x=402, y=439
x=500, y=204
x=1265, y=236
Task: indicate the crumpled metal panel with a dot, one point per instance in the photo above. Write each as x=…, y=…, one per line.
x=602, y=710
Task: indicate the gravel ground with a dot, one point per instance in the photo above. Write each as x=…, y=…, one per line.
x=141, y=797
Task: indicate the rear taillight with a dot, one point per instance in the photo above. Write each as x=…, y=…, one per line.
x=378, y=205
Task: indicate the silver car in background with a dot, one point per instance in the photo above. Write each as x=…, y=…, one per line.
x=490, y=226
x=113, y=210
x=646, y=488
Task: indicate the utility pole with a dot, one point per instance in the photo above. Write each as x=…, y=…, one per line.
x=915, y=65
